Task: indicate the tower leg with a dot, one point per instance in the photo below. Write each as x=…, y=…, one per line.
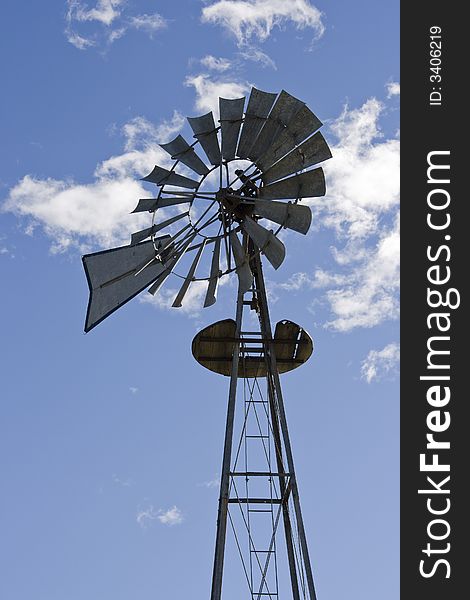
x=283, y=486
x=276, y=384
x=225, y=477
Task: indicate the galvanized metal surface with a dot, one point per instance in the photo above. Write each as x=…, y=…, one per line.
x=312, y=151
x=245, y=277
x=304, y=185
x=231, y=117
x=189, y=277
x=283, y=111
x=292, y=216
x=161, y=176
x=301, y=126
x=205, y=132
x=143, y=234
x=259, y=105
x=112, y=279
x=139, y=236
x=179, y=149
x=211, y=294
x=163, y=224
x=266, y=241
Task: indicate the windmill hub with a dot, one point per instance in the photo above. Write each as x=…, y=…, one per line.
x=233, y=205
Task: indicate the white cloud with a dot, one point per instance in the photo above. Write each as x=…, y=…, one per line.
x=5, y=249
x=379, y=363
x=296, y=282
x=170, y=517
x=145, y=516
x=393, y=89
x=209, y=90
x=105, y=11
x=247, y=19
x=133, y=390
x=79, y=41
x=363, y=178
x=212, y=483
x=75, y=214
x=148, y=23
x=215, y=64
x=369, y=295
x=365, y=293
x=248, y=52
x=106, y=21
x=256, y=55
x=363, y=193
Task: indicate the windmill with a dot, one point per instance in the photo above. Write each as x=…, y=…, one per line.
x=256, y=168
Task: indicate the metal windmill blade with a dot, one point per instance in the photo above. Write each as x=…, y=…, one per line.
x=259, y=105
x=231, y=119
x=266, y=241
x=279, y=135
x=311, y=152
x=291, y=216
x=179, y=149
x=201, y=231
x=284, y=110
x=205, y=132
x=300, y=127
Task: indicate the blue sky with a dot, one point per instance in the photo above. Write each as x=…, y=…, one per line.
x=112, y=442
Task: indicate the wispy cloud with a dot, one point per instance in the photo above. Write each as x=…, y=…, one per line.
x=148, y=23
x=212, y=483
x=105, y=11
x=254, y=54
x=393, y=89
x=170, y=517
x=248, y=19
x=5, y=249
x=145, y=516
x=379, y=363
x=215, y=64
x=122, y=482
x=106, y=22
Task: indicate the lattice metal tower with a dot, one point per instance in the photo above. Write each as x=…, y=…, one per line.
x=263, y=157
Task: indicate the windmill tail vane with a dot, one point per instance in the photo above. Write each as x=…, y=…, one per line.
x=207, y=221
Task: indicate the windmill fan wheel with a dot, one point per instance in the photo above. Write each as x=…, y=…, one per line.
x=256, y=165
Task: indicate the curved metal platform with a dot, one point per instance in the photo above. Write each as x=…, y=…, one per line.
x=213, y=348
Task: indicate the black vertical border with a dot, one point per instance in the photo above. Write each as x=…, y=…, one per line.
x=426, y=128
